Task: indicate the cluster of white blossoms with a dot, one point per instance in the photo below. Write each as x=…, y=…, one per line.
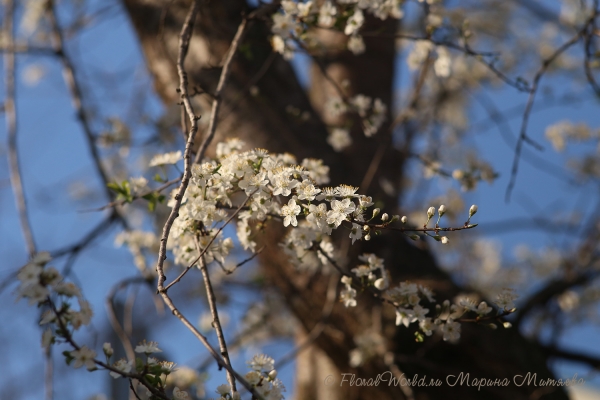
x=422, y=50
x=38, y=283
x=262, y=378
x=295, y=18
x=138, y=242
x=371, y=112
x=560, y=133
x=268, y=187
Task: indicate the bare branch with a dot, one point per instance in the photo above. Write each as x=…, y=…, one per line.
x=184, y=41
x=212, y=124
x=112, y=316
x=74, y=88
x=216, y=322
x=534, y=88
x=11, y=128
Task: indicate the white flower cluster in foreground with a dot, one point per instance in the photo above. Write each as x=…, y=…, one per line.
x=272, y=186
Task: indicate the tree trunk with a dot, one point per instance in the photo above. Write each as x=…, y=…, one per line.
x=265, y=121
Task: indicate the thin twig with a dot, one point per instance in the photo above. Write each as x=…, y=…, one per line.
x=480, y=56
x=75, y=91
x=112, y=316
x=133, y=390
x=25, y=48
x=212, y=124
x=252, y=257
x=135, y=197
x=588, y=55
x=528, y=107
x=48, y=374
x=87, y=239
x=216, y=322
x=184, y=41
x=11, y=128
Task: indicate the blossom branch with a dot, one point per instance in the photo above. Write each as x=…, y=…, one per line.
x=65, y=333
x=184, y=40
x=202, y=252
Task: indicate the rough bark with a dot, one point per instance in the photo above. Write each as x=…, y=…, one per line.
x=263, y=121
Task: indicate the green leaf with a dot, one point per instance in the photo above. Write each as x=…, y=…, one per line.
x=114, y=186
x=158, y=178
x=68, y=357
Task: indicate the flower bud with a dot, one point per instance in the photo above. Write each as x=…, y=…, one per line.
x=376, y=212
x=108, y=350
x=367, y=237
x=430, y=212
x=445, y=240
x=381, y=284
x=472, y=210
x=385, y=217
x=404, y=219
x=458, y=174
x=273, y=375
x=507, y=325
x=395, y=218
x=442, y=210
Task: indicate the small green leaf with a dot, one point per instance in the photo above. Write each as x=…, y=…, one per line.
x=158, y=178
x=68, y=357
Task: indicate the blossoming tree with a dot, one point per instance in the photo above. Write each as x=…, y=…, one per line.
x=297, y=190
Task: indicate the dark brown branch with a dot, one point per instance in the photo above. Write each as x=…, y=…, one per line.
x=550, y=290
x=588, y=359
